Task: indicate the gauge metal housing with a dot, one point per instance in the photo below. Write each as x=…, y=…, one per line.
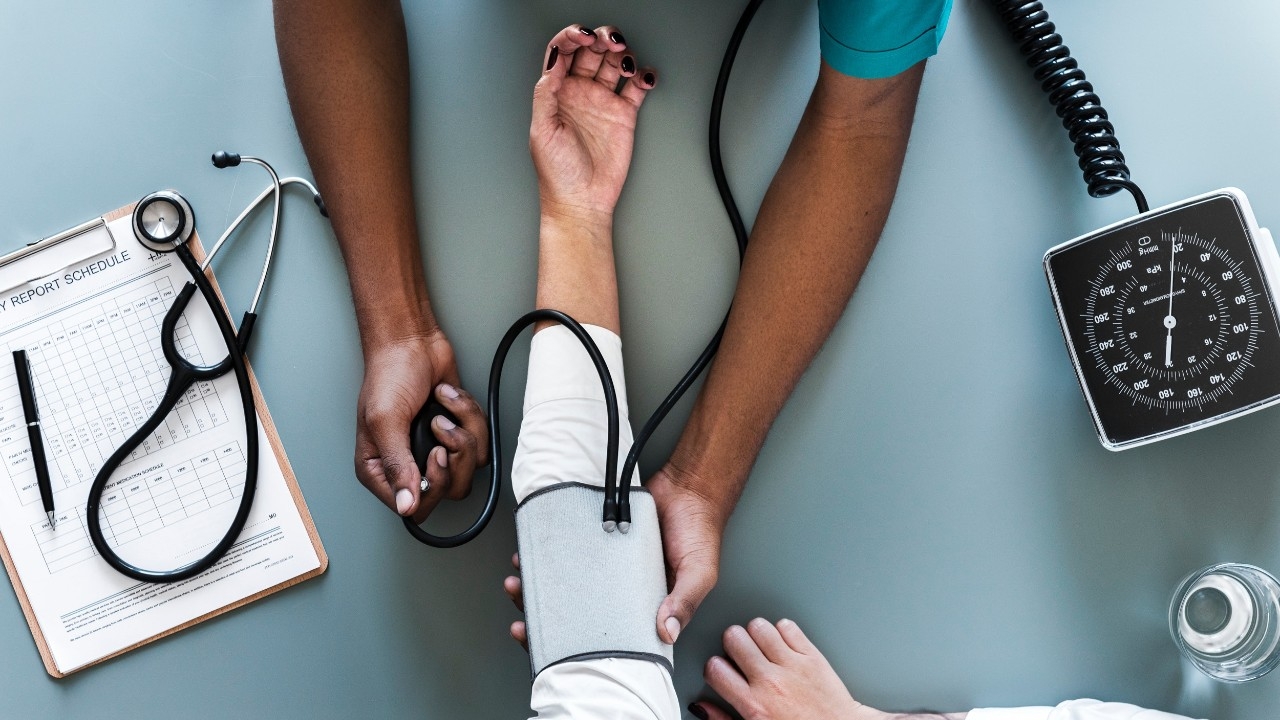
x=1170, y=318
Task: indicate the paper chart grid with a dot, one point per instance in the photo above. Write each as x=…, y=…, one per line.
x=99, y=373
x=136, y=506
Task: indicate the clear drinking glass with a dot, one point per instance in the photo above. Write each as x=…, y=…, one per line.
x=1225, y=619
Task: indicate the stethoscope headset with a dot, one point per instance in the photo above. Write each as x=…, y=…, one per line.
x=616, y=514
x=163, y=222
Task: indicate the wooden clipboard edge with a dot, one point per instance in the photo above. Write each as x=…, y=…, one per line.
x=291, y=481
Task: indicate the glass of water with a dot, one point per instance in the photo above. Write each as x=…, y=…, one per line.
x=1225, y=619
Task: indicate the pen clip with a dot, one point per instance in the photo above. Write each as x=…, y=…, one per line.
x=31, y=381
x=21, y=363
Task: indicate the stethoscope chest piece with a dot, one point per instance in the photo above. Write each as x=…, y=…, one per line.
x=163, y=220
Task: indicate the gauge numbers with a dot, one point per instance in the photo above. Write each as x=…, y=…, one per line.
x=1173, y=320
x=1170, y=319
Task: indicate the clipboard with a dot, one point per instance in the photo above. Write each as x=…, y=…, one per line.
x=64, y=250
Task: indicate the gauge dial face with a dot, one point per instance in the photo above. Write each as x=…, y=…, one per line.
x=1170, y=320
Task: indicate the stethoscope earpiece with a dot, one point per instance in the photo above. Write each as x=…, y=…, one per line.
x=224, y=159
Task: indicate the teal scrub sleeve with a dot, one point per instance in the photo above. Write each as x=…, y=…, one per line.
x=880, y=38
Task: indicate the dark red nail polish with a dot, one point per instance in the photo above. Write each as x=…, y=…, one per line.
x=628, y=65
x=588, y=33
x=649, y=79
x=617, y=38
x=553, y=57
x=697, y=711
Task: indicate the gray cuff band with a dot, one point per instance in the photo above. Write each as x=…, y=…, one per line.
x=588, y=593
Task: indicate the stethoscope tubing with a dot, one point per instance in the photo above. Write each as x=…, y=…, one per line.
x=182, y=376
x=495, y=431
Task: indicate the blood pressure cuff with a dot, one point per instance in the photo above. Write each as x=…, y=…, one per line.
x=589, y=593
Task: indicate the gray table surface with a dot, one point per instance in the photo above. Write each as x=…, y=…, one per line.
x=932, y=505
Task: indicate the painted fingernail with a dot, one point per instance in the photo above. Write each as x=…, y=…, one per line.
x=649, y=79
x=449, y=391
x=442, y=457
x=404, y=501
x=553, y=57
x=697, y=711
x=673, y=629
x=445, y=423
x=628, y=65
x=588, y=33
x=617, y=38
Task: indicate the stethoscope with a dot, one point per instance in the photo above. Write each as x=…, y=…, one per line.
x=163, y=222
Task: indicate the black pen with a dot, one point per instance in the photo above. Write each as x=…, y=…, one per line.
x=26, y=388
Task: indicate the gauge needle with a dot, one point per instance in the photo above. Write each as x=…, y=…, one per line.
x=1169, y=321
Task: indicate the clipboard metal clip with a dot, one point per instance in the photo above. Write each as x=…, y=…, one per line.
x=45, y=257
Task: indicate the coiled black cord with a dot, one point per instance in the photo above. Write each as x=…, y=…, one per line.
x=1081, y=110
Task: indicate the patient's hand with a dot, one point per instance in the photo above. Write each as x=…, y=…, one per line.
x=776, y=673
x=583, y=124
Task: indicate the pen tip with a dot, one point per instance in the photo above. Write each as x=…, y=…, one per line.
x=53, y=520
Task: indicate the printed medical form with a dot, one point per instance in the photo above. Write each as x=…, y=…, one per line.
x=92, y=333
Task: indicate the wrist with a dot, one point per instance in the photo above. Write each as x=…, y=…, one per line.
x=387, y=327
x=576, y=220
x=704, y=466
x=716, y=504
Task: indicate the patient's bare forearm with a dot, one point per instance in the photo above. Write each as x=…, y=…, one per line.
x=346, y=69
x=576, y=269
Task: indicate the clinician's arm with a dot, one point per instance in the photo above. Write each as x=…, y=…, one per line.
x=812, y=239
x=346, y=69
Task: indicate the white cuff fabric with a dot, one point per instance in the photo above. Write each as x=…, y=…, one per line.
x=1074, y=710
x=565, y=428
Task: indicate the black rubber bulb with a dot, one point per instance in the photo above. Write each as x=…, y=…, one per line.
x=421, y=440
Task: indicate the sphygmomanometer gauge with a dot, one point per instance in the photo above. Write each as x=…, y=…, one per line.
x=1170, y=318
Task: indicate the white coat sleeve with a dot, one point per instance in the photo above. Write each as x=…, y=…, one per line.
x=1074, y=710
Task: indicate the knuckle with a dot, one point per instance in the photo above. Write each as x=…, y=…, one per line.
x=772, y=685
x=687, y=606
x=379, y=418
x=395, y=468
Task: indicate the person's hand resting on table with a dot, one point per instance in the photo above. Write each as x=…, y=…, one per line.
x=773, y=672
